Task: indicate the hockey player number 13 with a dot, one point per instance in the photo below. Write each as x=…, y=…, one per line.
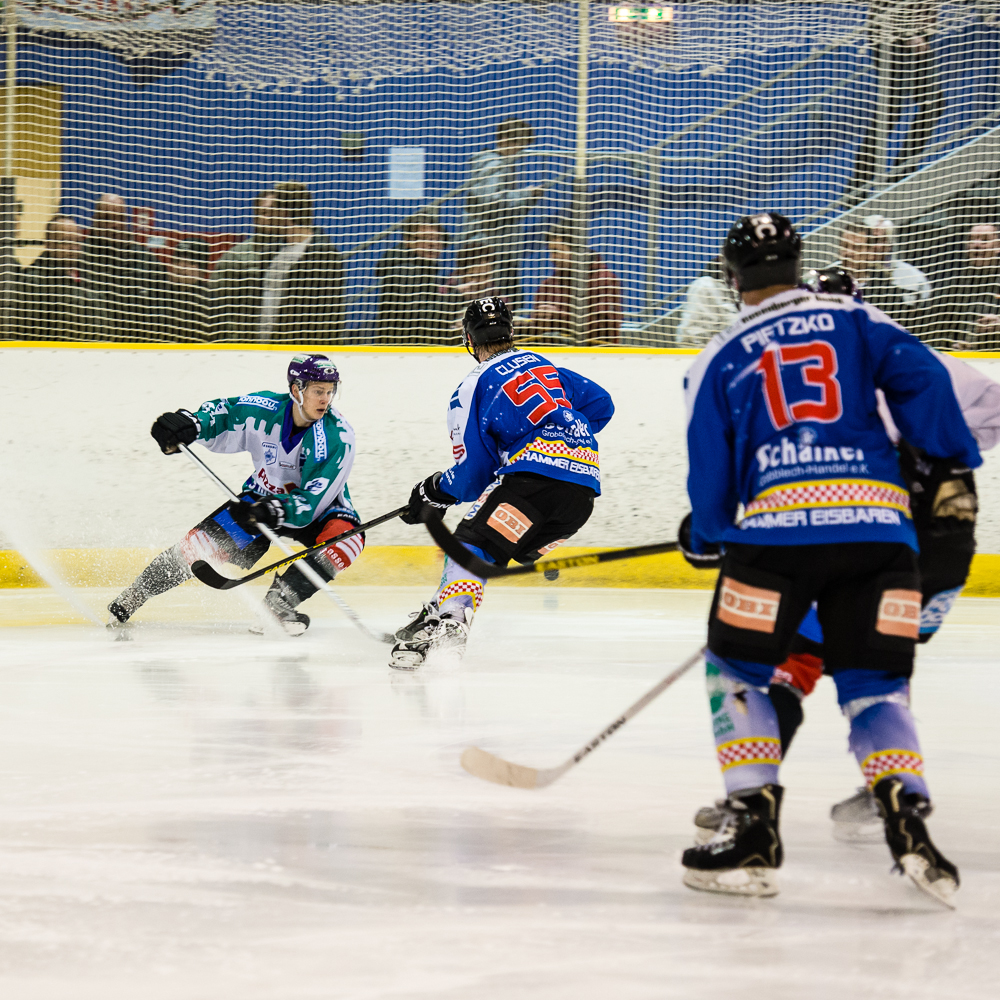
x=817, y=362
x=541, y=383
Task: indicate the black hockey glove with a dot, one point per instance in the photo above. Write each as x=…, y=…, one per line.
x=942, y=491
x=425, y=498
x=249, y=516
x=173, y=429
x=710, y=559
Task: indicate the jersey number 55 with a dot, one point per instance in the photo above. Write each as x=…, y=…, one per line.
x=541, y=383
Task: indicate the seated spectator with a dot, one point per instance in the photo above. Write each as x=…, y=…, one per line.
x=411, y=306
x=187, y=314
x=710, y=307
x=900, y=290
x=474, y=278
x=54, y=302
x=128, y=278
x=969, y=312
x=553, y=309
x=237, y=281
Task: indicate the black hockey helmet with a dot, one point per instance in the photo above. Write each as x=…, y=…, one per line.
x=761, y=250
x=833, y=281
x=487, y=321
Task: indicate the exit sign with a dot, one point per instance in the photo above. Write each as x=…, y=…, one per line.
x=651, y=15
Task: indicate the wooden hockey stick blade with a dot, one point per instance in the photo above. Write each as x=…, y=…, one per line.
x=211, y=578
x=489, y=767
x=453, y=548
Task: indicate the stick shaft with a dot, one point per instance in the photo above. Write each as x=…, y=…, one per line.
x=636, y=708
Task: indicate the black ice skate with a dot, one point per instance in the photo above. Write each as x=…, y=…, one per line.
x=741, y=858
x=857, y=820
x=906, y=834
x=277, y=602
x=429, y=631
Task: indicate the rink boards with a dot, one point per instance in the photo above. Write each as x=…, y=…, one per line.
x=97, y=496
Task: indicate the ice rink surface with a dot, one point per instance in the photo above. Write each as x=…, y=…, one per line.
x=200, y=813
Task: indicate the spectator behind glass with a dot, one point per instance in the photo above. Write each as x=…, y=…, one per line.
x=709, y=308
x=237, y=281
x=969, y=315
x=128, y=279
x=54, y=302
x=552, y=314
x=495, y=207
x=899, y=289
x=303, y=285
x=411, y=306
x=188, y=300
x=474, y=278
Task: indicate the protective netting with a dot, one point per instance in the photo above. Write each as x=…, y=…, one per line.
x=356, y=172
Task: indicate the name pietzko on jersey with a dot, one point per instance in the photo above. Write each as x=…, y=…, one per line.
x=789, y=326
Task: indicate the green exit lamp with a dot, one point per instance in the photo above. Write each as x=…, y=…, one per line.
x=647, y=15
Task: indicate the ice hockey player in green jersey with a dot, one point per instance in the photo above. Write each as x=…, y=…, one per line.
x=302, y=449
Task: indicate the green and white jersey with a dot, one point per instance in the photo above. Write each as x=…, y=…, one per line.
x=306, y=470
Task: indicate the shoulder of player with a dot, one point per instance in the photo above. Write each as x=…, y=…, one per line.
x=271, y=402
x=334, y=420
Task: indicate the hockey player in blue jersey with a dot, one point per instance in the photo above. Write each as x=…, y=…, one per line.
x=523, y=439
x=796, y=489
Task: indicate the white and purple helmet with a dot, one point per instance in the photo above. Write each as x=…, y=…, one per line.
x=306, y=368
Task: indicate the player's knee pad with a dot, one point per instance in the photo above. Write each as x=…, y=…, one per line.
x=336, y=557
x=198, y=544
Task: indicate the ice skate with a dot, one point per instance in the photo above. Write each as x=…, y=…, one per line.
x=708, y=820
x=428, y=632
x=906, y=834
x=276, y=604
x=742, y=856
x=857, y=820
x=120, y=611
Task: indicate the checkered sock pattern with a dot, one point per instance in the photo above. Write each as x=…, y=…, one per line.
x=459, y=589
x=745, y=726
x=884, y=741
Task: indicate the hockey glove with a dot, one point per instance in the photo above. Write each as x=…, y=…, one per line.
x=711, y=558
x=425, y=498
x=173, y=429
x=942, y=491
x=250, y=516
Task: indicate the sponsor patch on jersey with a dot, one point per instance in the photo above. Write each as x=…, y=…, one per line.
x=546, y=549
x=316, y=486
x=319, y=435
x=743, y=606
x=213, y=409
x=270, y=452
x=262, y=401
x=509, y=522
x=899, y=613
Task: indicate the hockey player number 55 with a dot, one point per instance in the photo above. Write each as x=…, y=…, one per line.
x=817, y=361
x=541, y=383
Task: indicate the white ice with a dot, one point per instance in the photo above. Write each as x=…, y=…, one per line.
x=200, y=813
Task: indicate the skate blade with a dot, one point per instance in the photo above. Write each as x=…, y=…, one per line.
x=406, y=659
x=734, y=881
x=289, y=628
x=860, y=833
x=942, y=888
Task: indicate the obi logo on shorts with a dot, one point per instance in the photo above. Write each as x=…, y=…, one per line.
x=899, y=613
x=743, y=606
x=509, y=522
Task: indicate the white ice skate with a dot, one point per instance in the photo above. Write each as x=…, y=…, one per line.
x=429, y=632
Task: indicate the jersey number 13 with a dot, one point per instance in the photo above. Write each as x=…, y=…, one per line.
x=817, y=365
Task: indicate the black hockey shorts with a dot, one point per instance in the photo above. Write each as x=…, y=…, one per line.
x=524, y=516
x=245, y=549
x=867, y=594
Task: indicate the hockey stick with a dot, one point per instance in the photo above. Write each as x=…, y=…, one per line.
x=307, y=571
x=217, y=581
x=502, y=772
x=453, y=548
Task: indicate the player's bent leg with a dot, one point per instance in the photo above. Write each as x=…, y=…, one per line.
x=218, y=539
x=443, y=623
